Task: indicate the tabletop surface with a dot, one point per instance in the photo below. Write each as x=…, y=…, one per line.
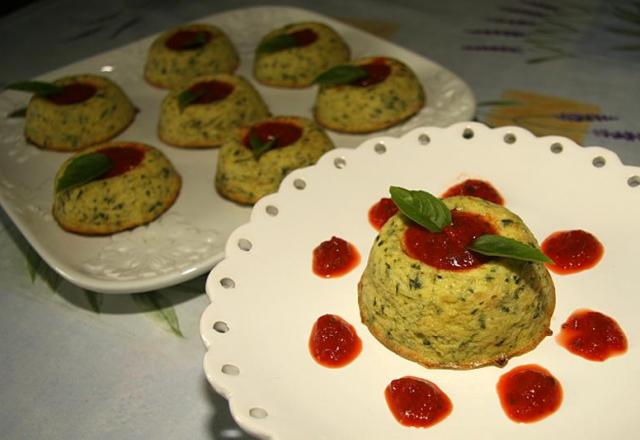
x=79, y=364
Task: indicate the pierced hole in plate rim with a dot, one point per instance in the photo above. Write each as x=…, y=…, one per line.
x=599, y=162
x=271, y=210
x=424, y=139
x=245, y=244
x=220, y=326
x=468, y=133
x=633, y=181
x=258, y=413
x=299, y=184
x=510, y=138
x=556, y=148
x=227, y=283
x=230, y=369
x=380, y=148
x=340, y=162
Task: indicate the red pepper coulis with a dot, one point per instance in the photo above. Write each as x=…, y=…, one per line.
x=210, y=91
x=188, y=39
x=123, y=159
x=304, y=37
x=475, y=188
x=334, y=342
x=592, y=335
x=529, y=393
x=572, y=251
x=448, y=249
x=417, y=402
x=381, y=212
x=334, y=258
x=73, y=93
x=284, y=133
x=377, y=71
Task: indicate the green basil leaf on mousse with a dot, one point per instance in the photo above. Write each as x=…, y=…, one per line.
x=187, y=97
x=258, y=147
x=277, y=43
x=199, y=39
x=39, y=88
x=84, y=169
x=423, y=208
x=340, y=75
x=498, y=246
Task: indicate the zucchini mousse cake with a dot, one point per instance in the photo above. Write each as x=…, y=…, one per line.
x=428, y=298
x=189, y=51
x=206, y=110
x=112, y=187
x=87, y=110
x=367, y=95
x=253, y=162
x=294, y=55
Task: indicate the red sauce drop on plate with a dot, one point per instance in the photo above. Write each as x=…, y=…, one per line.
x=572, y=251
x=304, y=37
x=73, y=93
x=334, y=258
x=188, y=39
x=529, y=393
x=417, y=402
x=210, y=91
x=334, y=342
x=475, y=188
x=284, y=133
x=381, y=212
x=448, y=249
x=592, y=335
x=377, y=71
x=123, y=159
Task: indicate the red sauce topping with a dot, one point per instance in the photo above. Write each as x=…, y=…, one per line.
x=475, y=188
x=210, y=91
x=284, y=133
x=417, y=402
x=333, y=342
x=73, y=94
x=334, y=258
x=123, y=159
x=592, y=335
x=382, y=211
x=529, y=393
x=304, y=37
x=448, y=249
x=377, y=71
x=572, y=251
x=188, y=39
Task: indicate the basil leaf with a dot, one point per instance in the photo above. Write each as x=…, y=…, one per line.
x=277, y=43
x=339, y=75
x=40, y=88
x=258, y=147
x=498, y=246
x=423, y=208
x=84, y=169
x=187, y=97
x=199, y=39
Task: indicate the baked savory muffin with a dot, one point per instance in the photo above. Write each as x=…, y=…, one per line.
x=135, y=187
x=253, y=162
x=88, y=110
x=189, y=51
x=294, y=55
x=474, y=315
x=202, y=114
x=388, y=93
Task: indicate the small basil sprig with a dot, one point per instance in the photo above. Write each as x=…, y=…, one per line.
x=187, y=97
x=84, y=169
x=40, y=88
x=423, y=208
x=498, y=246
x=258, y=147
x=277, y=43
x=342, y=74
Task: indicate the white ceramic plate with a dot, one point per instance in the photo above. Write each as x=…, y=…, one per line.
x=189, y=239
x=265, y=298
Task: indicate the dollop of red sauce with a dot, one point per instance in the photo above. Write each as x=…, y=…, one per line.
x=448, y=249
x=377, y=71
x=592, y=335
x=334, y=258
x=381, y=212
x=529, y=393
x=475, y=188
x=284, y=133
x=73, y=93
x=123, y=159
x=417, y=402
x=304, y=37
x=188, y=39
x=210, y=91
x=334, y=342
x=572, y=251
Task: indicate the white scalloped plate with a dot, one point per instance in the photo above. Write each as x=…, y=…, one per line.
x=189, y=239
x=265, y=297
